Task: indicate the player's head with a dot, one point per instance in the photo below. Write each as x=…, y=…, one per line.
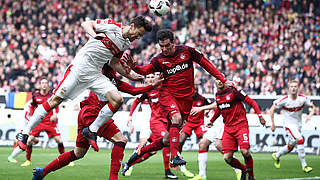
x=138, y=27
x=44, y=84
x=293, y=87
x=165, y=39
x=150, y=78
x=157, y=75
x=219, y=84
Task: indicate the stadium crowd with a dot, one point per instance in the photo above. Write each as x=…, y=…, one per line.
x=259, y=44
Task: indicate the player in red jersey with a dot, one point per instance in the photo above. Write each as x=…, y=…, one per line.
x=194, y=123
x=176, y=64
x=49, y=123
x=90, y=109
x=236, y=128
x=159, y=126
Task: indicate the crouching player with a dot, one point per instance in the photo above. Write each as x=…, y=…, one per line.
x=236, y=128
x=90, y=108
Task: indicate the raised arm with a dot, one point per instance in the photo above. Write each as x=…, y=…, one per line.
x=90, y=27
x=127, y=88
x=196, y=110
x=124, y=70
x=256, y=108
x=210, y=68
x=313, y=110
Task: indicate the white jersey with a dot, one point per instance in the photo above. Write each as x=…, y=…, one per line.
x=95, y=53
x=292, y=109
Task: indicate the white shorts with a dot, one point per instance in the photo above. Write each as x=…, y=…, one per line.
x=145, y=131
x=294, y=132
x=216, y=131
x=76, y=81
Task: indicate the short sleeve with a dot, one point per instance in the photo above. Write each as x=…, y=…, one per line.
x=241, y=95
x=308, y=101
x=195, y=54
x=104, y=25
x=278, y=103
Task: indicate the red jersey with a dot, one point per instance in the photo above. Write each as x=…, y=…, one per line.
x=230, y=106
x=38, y=98
x=153, y=100
x=178, y=70
x=198, y=101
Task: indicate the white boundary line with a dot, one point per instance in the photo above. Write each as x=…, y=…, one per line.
x=316, y=177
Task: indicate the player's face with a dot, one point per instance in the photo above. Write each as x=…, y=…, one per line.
x=44, y=84
x=293, y=88
x=219, y=84
x=135, y=33
x=150, y=78
x=167, y=47
x=157, y=75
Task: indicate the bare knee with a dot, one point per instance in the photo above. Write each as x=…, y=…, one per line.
x=166, y=140
x=218, y=145
x=119, y=137
x=80, y=152
x=245, y=153
x=115, y=98
x=228, y=157
x=203, y=145
x=176, y=119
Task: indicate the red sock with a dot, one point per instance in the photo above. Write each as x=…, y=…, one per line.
x=61, y=161
x=174, y=139
x=249, y=165
x=15, y=144
x=116, y=158
x=166, y=157
x=237, y=164
x=154, y=146
x=142, y=158
x=61, y=148
x=28, y=152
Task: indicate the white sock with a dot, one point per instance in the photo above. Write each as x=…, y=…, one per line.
x=236, y=170
x=202, y=161
x=105, y=115
x=16, y=152
x=302, y=155
x=36, y=118
x=183, y=168
x=284, y=150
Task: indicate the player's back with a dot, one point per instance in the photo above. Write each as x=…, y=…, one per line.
x=198, y=101
x=156, y=111
x=177, y=71
x=231, y=106
x=95, y=53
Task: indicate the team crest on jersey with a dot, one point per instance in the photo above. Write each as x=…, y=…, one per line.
x=63, y=91
x=199, y=104
x=182, y=56
x=172, y=106
x=165, y=62
x=228, y=98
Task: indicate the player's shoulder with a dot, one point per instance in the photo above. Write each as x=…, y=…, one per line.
x=282, y=99
x=36, y=93
x=302, y=96
x=109, y=23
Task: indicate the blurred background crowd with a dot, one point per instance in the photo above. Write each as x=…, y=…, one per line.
x=260, y=44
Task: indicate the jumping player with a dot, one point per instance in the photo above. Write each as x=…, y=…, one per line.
x=176, y=64
x=109, y=41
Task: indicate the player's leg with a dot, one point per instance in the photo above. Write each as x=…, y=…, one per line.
x=202, y=158
x=16, y=151
x=66, y=88
x=185, y=133
x=28, y=151
x=104, y=88
x=242, y=136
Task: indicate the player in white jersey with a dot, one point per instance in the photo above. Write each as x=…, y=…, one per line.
x=213, y=134
x=107, y=43
x=292, y=106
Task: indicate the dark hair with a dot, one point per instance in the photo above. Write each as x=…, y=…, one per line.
x=43, y=77
x=164, y=34
x=141, y=21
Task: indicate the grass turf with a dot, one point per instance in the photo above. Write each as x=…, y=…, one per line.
x=95, y=166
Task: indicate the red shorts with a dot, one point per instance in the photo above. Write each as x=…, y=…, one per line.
x=158, y=128
x=108, y=130
x=51, y=130
x=234, y=136
x=172, y=105
x=198, y=128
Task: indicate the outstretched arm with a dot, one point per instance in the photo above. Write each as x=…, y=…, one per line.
x=90, y=27
x=143, y=70
x=196, y=110
x=210, y=68
x=124, y=70
x=256, y=108
x=127, y=88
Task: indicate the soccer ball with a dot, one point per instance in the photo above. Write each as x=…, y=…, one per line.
x=159, y=7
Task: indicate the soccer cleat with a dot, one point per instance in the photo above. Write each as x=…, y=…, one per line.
x=238, y=175
x=307, y=169
x=251, y=178
x=276, y=161
x=22, y=140
x=243, y=175
x=170, y=175
x=125, y=168
x=177, y=161
x=92, y=138
x=12, y=160
x=197, y=177
x=129, y=172
x=188, y=174
x=26, y=163
x=71, y=164
x=37, y=174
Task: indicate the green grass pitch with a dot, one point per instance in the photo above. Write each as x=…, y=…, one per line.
x=95, y=166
